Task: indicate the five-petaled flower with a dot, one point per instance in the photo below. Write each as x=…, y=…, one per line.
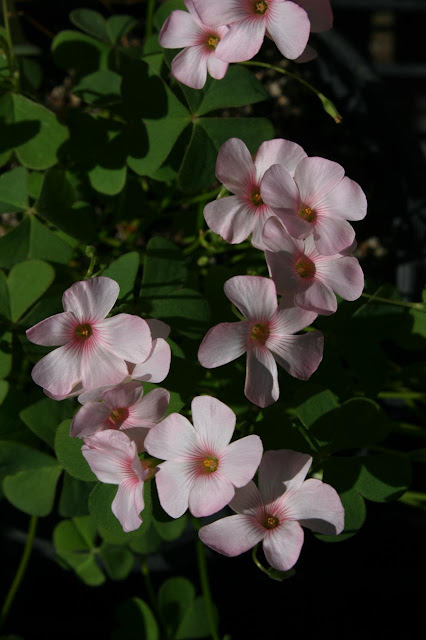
x=275, y=512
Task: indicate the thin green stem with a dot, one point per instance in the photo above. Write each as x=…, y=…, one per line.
x=148, y=583
x=257, y=562
x=149, y=18
x=205, y=586
x=418, y=306
x=310, y=439
x=21, y=570
x=90, y=253
x=327, y=104
x=403, y=395
x=409, y=429
x=202, y=197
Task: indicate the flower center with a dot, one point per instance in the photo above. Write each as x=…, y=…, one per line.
x=307, y=214
x=83, y=331
x=271, y=522
x=261, y=6
x=213, y=41
x=118, y=416
x=260, y=332
x=210, y=464
x=305, y=267
x=256, y=199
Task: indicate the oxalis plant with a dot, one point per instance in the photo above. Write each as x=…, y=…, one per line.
x=183, y=289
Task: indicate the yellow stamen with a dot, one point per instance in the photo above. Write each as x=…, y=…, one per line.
x=307, y=214
x=305, y=268
x=83, y=331
x=260, y=332
x=213, y=41
x=118, y=416
x=271, y=522
x=210, y=464
x=261, y=6
x=256, y=199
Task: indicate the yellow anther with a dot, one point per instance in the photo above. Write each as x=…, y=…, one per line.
x=305, y=268
x=213, y=41
x=261, y=6
x=307, y=214
x=210, y=464
x=271, y=522
x=83, y=331
x=118, y=416
x=260, y=332
x=256, y=199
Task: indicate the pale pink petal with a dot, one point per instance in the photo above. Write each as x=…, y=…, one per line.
x=223, y=343
x=319, y=13
x=233, y=535
x=124, y=395
x=174, y=438
x=92, y=417
x=282, y=471
x=157, y=366
x=92, y=299
x=318, y=297
x=276, y=238
x=262, y=215
x=125, y=336
x=53, y=331
x=296, y=226
x=209, y=494
x=242, y=41
x=278, y=151
x=282, y=546
x=152, y=407
x=240, y=460
x=261, y=386
x=333, y=235
x=180, y=30
x=190, y=66
x=231, y=217
x=216, y=68
x=100, y=367
x=316, y=505
x=347, y=200
x=128, y=503
x=60, y=370
x=214, y=423
x=221, y=11
x=111, y=456
x=289, y=26
x=158, y=328
x=307, y=55
x=282, y=271
x=234, y=167
x=255, y=297
x=279, y=190
x=247, y=501
x=291, y=319
x=316, y=177
x=95, y=395
x=193, y=12
x=75, y=391
x=174, y=482
x=138, y=435
x=300, y=355
x=344, y=276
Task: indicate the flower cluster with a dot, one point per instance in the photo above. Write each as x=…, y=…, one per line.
x=214, y=34
x=297, y=210
x=104, y=360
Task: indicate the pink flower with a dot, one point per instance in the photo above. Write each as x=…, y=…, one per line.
x=305, y=277
x=94, y=349
x=125, y=408
x=249, y=20
x=267, y=337
x=202, y=469
x=236, y=217
x=113, y=459
x=274, y=512
x=190, y=66
x=318, y=201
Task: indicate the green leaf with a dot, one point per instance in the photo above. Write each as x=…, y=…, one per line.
x=27, y=281
x=99, y=88
x=135, y=621
x=44, y=416
x=5, y=354
x=15, y=457
x=57, y=204
x=41, y=151
x=91, y=22
x=4, y=388
x=75, y=50
x=148, y=543
x=118, y=561
x=19, y=489
x=100, y=501
x=14, y=245
x=13, y=190
x=316, y=406
x=4, y=296
x=124, y=271
x=74, y=541
x=118, y=26
x=355, y=514
x=384, y=477
x=185, y=309
x=74, y=497
x=196, y=621
x=238, y=88
x=175, y=598
x=164, y=268
x=68, y=452
x=108, y=180
x=280, y=576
